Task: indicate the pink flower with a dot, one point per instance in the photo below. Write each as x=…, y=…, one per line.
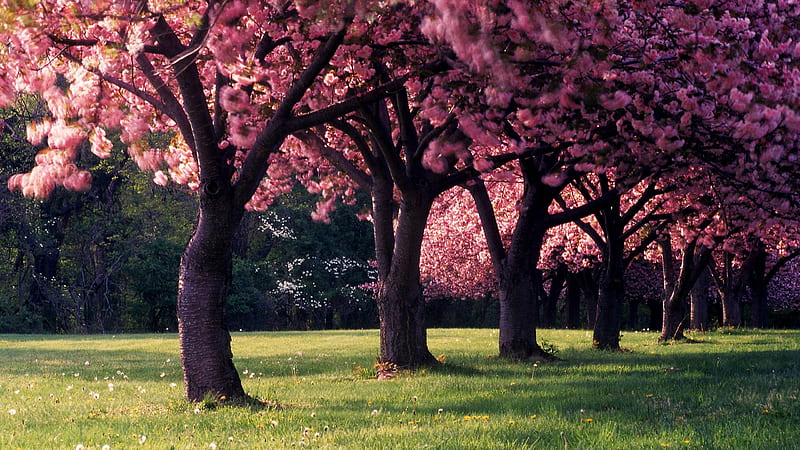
x=101, y=146
x=330, y=79
x=740, y=101
x=160, y=178
x=554, y=179
x=619, y=100
x=483, y=165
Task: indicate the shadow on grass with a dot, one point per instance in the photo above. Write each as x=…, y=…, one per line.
x=648, y=387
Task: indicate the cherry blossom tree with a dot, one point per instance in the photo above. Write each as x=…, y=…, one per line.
x=226, y=82
x=621, y=230
x=642, y=86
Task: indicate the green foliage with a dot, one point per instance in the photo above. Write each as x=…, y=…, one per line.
x=725, y=391
x=107, y=260
x=316, y=269
x=152, y=280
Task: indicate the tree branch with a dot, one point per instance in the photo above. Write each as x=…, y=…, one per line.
x=336, y=158
x=491, y=230
x=344, y=107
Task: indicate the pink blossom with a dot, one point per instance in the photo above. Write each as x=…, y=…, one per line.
x=101, y=146
x=235, y=100
x=65, y=137
x=160, y=178
x=37, y=131
x=554, y=179
x=78, y=181
x=619, y=100
x=483, y=165
x=434, y=162
x=330, y=79
x=739, y=101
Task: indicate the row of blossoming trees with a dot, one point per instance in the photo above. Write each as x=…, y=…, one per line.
x=623, y=128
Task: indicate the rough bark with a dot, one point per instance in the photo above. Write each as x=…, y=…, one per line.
x=516, y=273
x=403, y=336
x=205, y=277
x=729, y=285
x=517, y=305
x=518, y=283
x=611, y=290
x=731, y=310
x=672, y=311
x=606, y=333
x=672, y=317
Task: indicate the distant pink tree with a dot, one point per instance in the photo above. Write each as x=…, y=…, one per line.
x=637, y=87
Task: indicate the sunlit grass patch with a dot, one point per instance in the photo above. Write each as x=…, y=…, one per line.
x=724, y=390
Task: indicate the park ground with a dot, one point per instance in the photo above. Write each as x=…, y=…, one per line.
x=722, y=389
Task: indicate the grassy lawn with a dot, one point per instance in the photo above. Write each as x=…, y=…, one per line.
x=728, y=389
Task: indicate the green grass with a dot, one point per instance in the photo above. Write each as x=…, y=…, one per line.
x=728, y=389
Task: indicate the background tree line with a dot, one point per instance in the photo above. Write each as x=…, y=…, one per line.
x=106, y=261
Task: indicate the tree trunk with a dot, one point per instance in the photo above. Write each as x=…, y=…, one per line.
x=672, y=319
x=758, y=305
x=672, y=311
x=606, y=325
x=699, y=303
x=590, y=291
x=678, y=285
x=655, y=306
x=205, y=277
x=757, y=280
x=46, y=259
x=518, y=304
x=403, y=337
x=611, y=290
x=731, y=309
x=550, y=299
x=573, y=302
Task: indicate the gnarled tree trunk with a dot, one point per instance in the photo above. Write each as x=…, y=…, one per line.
x=205, y=277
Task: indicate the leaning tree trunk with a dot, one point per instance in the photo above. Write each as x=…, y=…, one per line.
x=205, y=277
x=403, y=336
